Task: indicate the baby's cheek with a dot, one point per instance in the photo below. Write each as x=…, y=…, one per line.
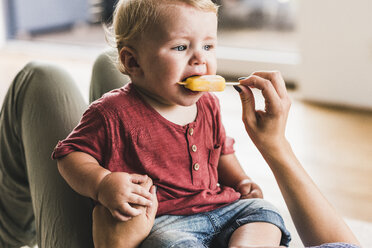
x=212, y=67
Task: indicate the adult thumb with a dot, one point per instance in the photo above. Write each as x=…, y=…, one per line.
x=248, y=103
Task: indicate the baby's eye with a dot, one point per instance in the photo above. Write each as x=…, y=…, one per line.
x=207, y=47
x=180, y=48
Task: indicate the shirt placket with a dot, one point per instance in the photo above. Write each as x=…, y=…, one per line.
x=193, y=151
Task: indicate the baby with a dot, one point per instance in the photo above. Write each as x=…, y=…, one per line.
x=155, y=132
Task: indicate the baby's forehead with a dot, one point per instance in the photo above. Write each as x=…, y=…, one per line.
x=170, y=13
x=184, y=20
x=167, y=9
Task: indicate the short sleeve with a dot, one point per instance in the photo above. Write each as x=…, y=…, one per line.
x=88, y=136
x=228, y=146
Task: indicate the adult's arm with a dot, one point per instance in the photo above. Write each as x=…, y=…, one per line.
x=315, y=219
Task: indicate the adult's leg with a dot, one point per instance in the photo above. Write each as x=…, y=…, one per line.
x=105, y=75
x=41, y=107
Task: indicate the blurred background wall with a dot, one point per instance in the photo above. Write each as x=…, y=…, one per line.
x=335, y=45
x=2, y=24
x=322, y=48
x=36, y=16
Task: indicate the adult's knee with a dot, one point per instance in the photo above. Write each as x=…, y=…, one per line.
x=105, y=75
x=47, y=77
x=45, y=91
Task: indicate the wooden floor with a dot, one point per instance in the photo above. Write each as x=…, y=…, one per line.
x=334, y=145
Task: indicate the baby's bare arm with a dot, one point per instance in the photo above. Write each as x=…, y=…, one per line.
x=82, y=172
x=232, y=174
x=116, y=191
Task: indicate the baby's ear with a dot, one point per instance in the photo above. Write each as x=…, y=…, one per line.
x=128, y=58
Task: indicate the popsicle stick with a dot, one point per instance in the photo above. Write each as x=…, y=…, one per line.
x=227, y=83
x=231, y=83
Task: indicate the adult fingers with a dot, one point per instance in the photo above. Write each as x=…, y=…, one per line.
x=276, y=79
x=248, y=104
x=272, y=99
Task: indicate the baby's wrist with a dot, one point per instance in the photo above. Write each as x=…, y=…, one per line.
x=101, y=179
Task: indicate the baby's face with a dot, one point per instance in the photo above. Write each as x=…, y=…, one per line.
x=182, y=44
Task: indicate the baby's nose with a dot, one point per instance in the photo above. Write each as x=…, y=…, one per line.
x=198, y=58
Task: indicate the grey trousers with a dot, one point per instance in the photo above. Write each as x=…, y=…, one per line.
x=42, y=106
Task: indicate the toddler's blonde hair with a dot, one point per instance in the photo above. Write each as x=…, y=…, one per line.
x=132, y=17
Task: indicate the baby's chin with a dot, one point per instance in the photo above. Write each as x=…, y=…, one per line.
x=189, y=101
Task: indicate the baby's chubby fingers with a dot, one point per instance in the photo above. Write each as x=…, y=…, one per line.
x=256, y=193
x=151, y=211
x=117, y=215
x=125, y=212
x=139, y=200
x=147, y=184
x=138, y=178
x=141, y=191
x=126, y=209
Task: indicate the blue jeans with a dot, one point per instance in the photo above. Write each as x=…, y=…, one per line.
x=335, y=245
x=214, y=228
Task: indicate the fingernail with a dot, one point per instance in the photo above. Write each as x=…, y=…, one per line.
x=242, y=78
x=237, y=88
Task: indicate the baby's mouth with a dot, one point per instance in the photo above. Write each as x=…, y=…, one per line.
x=183, y=85
x=184, y=80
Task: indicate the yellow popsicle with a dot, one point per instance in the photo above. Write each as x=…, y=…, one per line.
x=206, y=83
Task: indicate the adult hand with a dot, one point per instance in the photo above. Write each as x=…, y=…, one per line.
x=266, y=127
x=315, y=219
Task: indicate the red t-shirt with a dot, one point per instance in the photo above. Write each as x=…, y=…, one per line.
x=123, y=133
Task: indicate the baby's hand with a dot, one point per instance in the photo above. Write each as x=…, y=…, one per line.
x=249, y=189
x=118, y=190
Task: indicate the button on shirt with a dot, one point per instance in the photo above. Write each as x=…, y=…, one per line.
x=124, y=134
